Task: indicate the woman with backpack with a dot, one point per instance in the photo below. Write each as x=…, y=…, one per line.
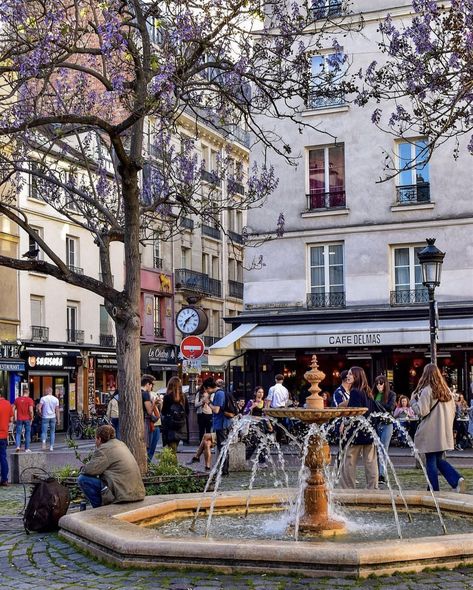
x=434, y=403
x=174, y=414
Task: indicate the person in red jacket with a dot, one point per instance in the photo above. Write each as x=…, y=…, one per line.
x=24, y=413
x=6, y=416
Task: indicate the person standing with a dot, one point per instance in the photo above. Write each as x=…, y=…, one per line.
x=342, y=393
x=434, y=403
x=174, y=414
x=220, y=423
x=360, y=396
x=278, y=397
x=203, y=411
x=154, y=426
x=6, y=416
x=148, y=413
x=386, y=399
x=49, y=410
x=113, y=411
x=24, y=413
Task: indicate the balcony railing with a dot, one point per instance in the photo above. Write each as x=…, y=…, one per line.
x=107, y=340
x=235, y=237
x=235, y=187
x=77, y=269
x=39, y=333
x=317, y=300
x=211, y=232
x=322, y=102
x=413, y=193
x=76, y=336
x=187, y=223
x=409, y=296
x=326, y=8
x=197, y=282
x=209, y=340
x=330, y=200
x=158, y=332
x=210, y=177
x=235, y=289
x=157, y=262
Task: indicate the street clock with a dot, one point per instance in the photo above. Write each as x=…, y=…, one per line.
x=191, y=320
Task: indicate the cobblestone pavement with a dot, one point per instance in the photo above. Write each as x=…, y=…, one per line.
x=45, y=562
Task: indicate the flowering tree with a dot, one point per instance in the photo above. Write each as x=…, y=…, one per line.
x=93, y=95
x=428, y=74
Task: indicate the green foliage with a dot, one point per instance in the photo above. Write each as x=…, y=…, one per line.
x=64, y=475
x=176, y=479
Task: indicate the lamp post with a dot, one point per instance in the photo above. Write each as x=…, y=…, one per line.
x=431, y=260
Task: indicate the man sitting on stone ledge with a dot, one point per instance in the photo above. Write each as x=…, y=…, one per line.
x=112, y=475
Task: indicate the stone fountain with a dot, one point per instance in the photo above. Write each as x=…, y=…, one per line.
x=316, y=519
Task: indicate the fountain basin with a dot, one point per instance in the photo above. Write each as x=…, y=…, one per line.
x=120, y=534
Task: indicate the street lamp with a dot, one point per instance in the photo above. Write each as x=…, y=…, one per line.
x=431, y=260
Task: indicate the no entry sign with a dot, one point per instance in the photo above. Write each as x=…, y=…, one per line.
x=192, y=347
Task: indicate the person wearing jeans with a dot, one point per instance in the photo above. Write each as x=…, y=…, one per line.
x=92, y=488
x=386, y=399
x=435, y=462
x=6, y=416
x=49, y=409
x=24, y=412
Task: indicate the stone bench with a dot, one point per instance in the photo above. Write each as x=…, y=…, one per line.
x=25, y=466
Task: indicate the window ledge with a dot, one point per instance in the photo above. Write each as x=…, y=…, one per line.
x=325, y=110
x=412, y=207
x=325, y=212
x=38, y=274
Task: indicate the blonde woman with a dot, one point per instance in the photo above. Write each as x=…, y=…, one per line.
x=434, y=403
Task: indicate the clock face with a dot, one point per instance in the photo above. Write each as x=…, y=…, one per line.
x=188, y=320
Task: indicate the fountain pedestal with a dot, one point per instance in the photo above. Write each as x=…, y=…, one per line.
x=316, y=519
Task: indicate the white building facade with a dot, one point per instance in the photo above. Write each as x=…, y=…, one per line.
x=344, y=281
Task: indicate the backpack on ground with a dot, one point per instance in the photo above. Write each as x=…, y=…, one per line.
x=230, y=407
x=177, y=416
x=48, y=502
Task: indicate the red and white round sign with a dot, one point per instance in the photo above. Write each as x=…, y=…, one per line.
x=192, y=347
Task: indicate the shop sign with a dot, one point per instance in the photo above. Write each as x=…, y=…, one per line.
x=51, y=360
x=190, y=366
x=10, y=351
x=106, y=363
x=355, y=339
x=45, y=361
x=11, y=366
x=159, y=355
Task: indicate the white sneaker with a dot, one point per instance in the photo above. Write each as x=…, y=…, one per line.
x=51, y=448
x=461, y=486
x=43, y=445
x=28, y=451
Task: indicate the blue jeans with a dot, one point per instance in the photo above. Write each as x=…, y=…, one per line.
x=435, y=462
x=3, y=459
x=45, y=424
x=116, y=424
x=19, y=429
x=92, y=488
x=385, y=433
x=153, y=443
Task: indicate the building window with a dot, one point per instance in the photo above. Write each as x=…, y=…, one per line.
x=408, y=286
x=414, y=176
x=326, y=8
x=73, y=332
x=215, y=267
x=326, y=276
x=326, y=72
x=34, y=251
x=70, y=197
x=33, y=181
x=72, y=254
x=205, y=264
x=326, y=178
x=155, y=30
x=157, y=260
x=158, y=329
x=186, y=258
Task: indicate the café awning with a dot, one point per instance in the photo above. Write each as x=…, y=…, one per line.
x=228, y=347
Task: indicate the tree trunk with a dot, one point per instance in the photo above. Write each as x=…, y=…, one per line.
x=128, y=326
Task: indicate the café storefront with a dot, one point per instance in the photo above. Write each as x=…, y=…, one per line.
x=12, y=369
x=159, y=360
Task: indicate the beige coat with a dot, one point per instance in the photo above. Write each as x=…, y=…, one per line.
x=115, y=465
x=435, y=432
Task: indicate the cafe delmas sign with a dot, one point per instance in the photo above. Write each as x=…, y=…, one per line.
x=355, y=339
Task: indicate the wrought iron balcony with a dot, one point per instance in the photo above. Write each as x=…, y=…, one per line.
x=326, y=8
x=187, y=223
x=317, y=300
x=413, y=193
x=331, y=200
x=197, y=282
x=235, y=187
x=76, y=269
x=76, y=336
x=235, y=237
x=211, y=232
x=409, y=296
x=107, y=340
x=235, y=289
x=39, y=333
x=158, y=332
x=210, y=177
x=157, y=262
x=322, y=102
x=209, y=340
